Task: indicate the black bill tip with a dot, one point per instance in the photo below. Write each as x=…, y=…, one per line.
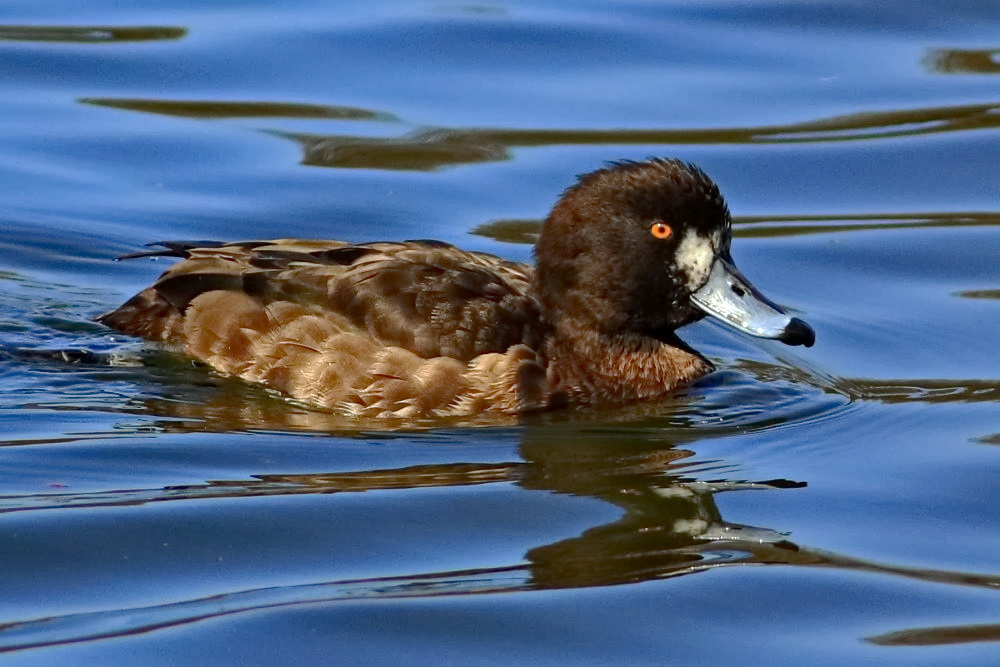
x=798, y=332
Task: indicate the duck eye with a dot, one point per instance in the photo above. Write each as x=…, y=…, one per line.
x=660, y=230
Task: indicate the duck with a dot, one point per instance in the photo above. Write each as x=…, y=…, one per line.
x=421, y=329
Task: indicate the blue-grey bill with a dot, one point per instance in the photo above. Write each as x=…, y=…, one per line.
x=730, y=297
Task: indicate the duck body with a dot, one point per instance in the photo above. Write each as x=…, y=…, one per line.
x=423, y=329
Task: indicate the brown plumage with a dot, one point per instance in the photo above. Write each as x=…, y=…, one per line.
x=423, y=329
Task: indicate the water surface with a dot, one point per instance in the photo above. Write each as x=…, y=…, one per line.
x=156, y=513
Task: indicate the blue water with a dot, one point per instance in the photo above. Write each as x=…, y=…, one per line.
x=832, y=505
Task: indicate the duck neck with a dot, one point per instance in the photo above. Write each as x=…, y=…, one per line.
x=597, y=367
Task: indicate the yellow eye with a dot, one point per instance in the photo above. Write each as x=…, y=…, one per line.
x=660, y=230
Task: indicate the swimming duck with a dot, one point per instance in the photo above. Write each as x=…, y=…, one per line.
x=416, y=329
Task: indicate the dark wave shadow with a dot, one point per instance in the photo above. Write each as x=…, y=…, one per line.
x=207, y=109
x=939, y=636
x=916, y=390
x=430, y=148
x=91, y=34
x=433, y=148
x=979, y=294
x=963, y=61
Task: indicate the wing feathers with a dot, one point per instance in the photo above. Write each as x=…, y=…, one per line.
x=406, y=330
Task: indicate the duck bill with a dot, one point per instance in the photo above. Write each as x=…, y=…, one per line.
x=730, y=297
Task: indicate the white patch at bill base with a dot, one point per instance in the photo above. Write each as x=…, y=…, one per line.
x=695, y=256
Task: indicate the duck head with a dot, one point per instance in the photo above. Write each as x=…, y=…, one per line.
x=643, y=248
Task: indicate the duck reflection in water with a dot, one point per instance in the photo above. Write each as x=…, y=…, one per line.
x=671, y=526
